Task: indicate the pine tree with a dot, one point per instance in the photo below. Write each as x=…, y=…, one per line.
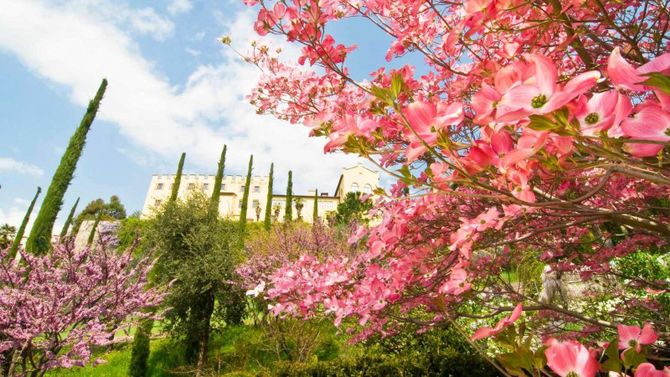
x=91, y=235
x=288, y=215
x=39, y=241
x=177, y=179
x=216, y=193
x=68, y=221
x=268, y=205
x=22, y=229
x=315, y=212
x=245, y=196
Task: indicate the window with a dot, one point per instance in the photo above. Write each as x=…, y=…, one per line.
x=159, y=186
x=241, y=188
x=191, y=186
x=223, y=186
x=205, y=186
x=354, y=187
x=256, y=203
x=257, y=188
x=239, y=204
x=367, y=188
x=157, y=202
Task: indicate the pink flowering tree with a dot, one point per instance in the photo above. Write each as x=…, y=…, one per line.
x=539, y=128
x=55, y=309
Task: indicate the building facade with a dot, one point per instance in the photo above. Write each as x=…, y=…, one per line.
x=356, y=178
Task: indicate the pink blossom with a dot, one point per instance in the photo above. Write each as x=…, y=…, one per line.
x=649, y=370
x=486, y=332
x=570, y=358
x=634, y=337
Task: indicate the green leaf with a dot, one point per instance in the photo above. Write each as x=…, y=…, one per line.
x=542, y=123
x=632, y=358
x=383, y=94
x=396, y=85
x=613, y=362
x=658, y=80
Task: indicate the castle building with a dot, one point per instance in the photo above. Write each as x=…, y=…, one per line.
x=356, y=178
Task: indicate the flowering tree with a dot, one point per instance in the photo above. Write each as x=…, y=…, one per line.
x=539, y=129
x=55, y=308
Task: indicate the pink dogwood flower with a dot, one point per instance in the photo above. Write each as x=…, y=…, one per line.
x=649, y=370
x=650, y=123
x=571, y=359
x=486, y=332
x=634, y=337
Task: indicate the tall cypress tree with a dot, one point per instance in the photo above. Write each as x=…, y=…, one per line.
x=288, y=214
x=22, y=229
x=177, y=179
x=216, y=193
x=39, y=241
x=69, y=219
x=91, y=235
x=315, y=213
x=268, y=206
x=139, y=355
x=245, y=196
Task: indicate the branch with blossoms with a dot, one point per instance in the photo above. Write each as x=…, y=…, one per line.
x=540, y=128
x=55, y=309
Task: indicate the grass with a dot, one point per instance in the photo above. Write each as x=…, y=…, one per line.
x=234, y=351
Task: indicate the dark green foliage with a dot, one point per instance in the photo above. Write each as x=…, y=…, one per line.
x=140, y=353
x=288, y=215
x=91, y=235
x=267, y=223
x=177, y=179
x=440, y=352
x=216, y=193
x=197, y=253
x=352, y=209
x=245, y=196
x=39, y=241
x=24, y=224
x=114, y=210
x=69, y=219
x=7, y=234
x=315, y=211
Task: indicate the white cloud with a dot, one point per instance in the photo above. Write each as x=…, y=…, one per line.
x=10, y=165
x=76, y=49
x=179, y=6
x=192, y=51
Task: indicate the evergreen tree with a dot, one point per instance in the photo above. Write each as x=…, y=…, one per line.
x=315, y=211
x=139, y=355
x=91, y=235
x=268, y=205
x=22, y=229
x=7, y=235
x=288, y=215
x=69, y=219
x=177, y=179
x=245, y=196
x=114, y=210
x=39, y=241
x=216, y=193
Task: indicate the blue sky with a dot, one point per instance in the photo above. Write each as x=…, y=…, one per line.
x=172, y=88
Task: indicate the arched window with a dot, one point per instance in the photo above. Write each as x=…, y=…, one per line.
x=367, y=188
x=354, y=187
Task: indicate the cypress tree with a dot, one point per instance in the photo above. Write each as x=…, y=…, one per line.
x=268, y=205
x=216, y=193
x=139, y=355
x=39, y=241
x=91, y=235
x=68, y=221
x=22, y=229
x=245, y=196
x=288, y=215
x=177, y=179
x=315, y=213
